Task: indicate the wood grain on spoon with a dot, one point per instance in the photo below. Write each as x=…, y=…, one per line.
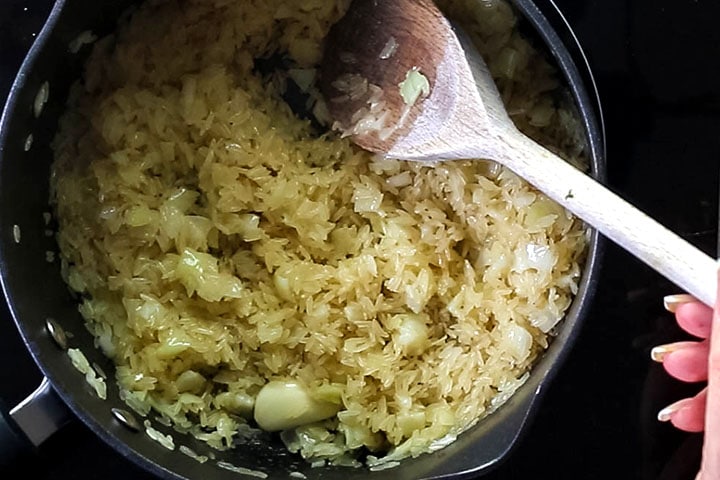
x=463, y=117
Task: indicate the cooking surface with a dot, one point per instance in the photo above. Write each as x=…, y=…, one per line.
x=656, y=63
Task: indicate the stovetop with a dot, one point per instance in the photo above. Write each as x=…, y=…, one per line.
x=657, y=63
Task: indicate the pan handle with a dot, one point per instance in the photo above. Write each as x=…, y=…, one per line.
x=13, y=441
x=30, y=423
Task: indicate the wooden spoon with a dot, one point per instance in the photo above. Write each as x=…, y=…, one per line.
x=379, y=43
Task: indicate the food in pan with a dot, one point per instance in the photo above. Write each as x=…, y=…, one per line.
x=244, y=267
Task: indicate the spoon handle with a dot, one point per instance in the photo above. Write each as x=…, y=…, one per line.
x=664, y=251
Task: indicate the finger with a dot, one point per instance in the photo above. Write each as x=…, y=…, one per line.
x=687, y=414
x=695, y=318
x=687, y=361
x=671, y=302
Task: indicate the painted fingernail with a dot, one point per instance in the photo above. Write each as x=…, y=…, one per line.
x=659, y=353
x=671, y=302
x=665, y=415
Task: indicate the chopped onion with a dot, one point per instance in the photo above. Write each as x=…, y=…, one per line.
x=519, y=341
x=414, y=86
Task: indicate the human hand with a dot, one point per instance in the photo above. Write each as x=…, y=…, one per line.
x=695, y=361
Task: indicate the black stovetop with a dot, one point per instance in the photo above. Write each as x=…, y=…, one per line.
x=657, y=63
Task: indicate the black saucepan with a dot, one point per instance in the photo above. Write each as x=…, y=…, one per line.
x=43, y=308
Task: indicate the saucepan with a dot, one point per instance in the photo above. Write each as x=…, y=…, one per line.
x=47, y=317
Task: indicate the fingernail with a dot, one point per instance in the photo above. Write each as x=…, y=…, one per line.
x=671, y=302
x=659, y=353
x=665, y=415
